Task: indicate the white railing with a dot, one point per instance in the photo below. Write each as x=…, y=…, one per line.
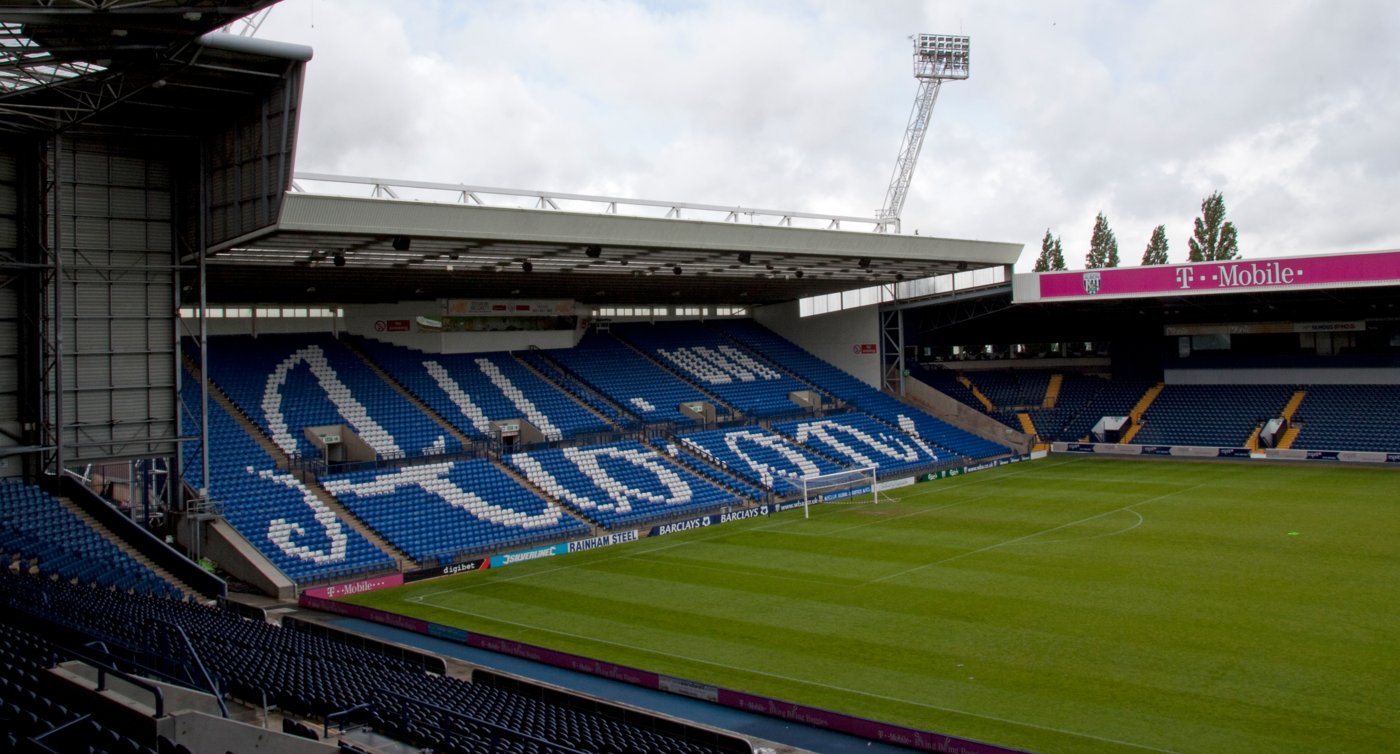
x=494, y=196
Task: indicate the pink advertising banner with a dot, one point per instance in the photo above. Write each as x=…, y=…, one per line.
x=1340, y=270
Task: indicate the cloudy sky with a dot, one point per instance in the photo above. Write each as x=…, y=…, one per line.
x=1137, y=109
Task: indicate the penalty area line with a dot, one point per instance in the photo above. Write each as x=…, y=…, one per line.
x=806, y=682
x=1023, y=538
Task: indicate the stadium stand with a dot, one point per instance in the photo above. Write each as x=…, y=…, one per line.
x=629, y=379
x=760, y=457
x=1220, y=415
x=1349, y=417
x=436, y=511
x=286, y=383
x=835, y=382
x=703, y=356
x=313, y=675
x=621, y=484
x=549, y=371
x=860, y=441
x=278, y=514
x=472, y=390
x=37, y=532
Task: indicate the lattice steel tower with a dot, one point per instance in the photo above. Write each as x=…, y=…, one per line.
x=937, y=58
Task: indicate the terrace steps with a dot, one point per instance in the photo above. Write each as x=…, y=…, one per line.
x=121, y=544
x=1140, y=408
x=1052, y=391
x=1289, y=436
x=978, y=394
x=1293, y=403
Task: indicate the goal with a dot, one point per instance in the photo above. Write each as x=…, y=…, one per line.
x=838, y=486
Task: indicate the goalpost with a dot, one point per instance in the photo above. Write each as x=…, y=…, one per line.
x=838, y=486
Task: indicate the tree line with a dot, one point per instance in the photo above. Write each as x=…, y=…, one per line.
x=1213, y=239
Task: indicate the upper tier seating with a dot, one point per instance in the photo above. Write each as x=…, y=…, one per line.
x=1013, y=388
x=472, y=390
x=861, y=441
x=571, y=385
x=287, y=383
x=1218, y=415
x=946, y=381
x=272, y=509
x=622, y=484
x=628, y=378
x=1349, y=417
x=836, y=382
x=740, y=378
x=36, y=528
x=761, y=457
x=314, y=676
x=440, y=510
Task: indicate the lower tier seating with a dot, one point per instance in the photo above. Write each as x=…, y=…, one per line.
x=622, y=484
x=313, y=676
x=441, y=510
x=272, y=509
x=38, y=532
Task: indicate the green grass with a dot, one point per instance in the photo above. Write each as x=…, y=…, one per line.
x=1063, y=605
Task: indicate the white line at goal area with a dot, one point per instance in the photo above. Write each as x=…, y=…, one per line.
x=838, y=486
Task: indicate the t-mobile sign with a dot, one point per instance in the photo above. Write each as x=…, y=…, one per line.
x=1378, y=268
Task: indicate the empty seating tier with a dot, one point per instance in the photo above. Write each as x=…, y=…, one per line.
x=1219, y=415
x=314, y=676
x=440, y=510
x=857, y=393
x=286, y=383
x=1349, y=417
x=288, y=523
x=629, y=379
x=738, y=376
x=38, y=531
x=622, y=484
x=860, y=441
x=472, y=390
x=760, y=457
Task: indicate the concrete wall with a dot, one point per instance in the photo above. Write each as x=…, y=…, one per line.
x=835, y=338
x=963, y=416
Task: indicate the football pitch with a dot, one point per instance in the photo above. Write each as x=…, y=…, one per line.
x=1061, y=605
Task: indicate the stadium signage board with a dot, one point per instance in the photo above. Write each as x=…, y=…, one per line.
x=1201, y=278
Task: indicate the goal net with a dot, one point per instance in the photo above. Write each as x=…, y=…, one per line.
x=837, y=487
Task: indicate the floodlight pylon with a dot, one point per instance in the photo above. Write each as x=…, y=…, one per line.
x=937, y=58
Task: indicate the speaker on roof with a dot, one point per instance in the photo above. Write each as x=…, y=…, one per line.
x=745, y=257
x=593, y=252
x=339, y=260
x=401, y=243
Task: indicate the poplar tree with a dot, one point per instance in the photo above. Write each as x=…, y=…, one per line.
x=1156, y=251
x=1103, y=246
x=1214, y=239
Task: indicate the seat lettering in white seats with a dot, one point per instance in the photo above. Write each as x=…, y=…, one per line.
x=435, y=480
x=280, y=531
x=517, y=397
x=720, y=366
x=907, y=424
x=767, y=471
x=459, y=397
x=826, y=430
x=587, y=461
x=339, y=395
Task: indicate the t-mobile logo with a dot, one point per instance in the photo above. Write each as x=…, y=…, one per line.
x=1184, y=276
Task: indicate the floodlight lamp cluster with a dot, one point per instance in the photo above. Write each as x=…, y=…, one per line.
x=941, y=56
